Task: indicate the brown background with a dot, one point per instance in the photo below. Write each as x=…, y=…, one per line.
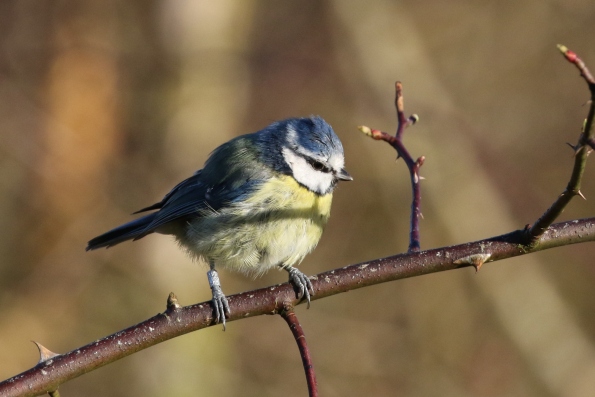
x=105, y=105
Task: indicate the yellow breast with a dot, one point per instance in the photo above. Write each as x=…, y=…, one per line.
x=279, y=224
x=284, y=194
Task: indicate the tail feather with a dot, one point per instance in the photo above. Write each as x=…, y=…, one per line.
x=127, y=231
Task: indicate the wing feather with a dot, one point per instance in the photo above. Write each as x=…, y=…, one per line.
x=231, y=174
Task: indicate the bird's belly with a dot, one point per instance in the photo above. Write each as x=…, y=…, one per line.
x=251, y=238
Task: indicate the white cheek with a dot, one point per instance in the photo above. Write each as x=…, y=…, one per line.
x=337, y=162
x=317, y=181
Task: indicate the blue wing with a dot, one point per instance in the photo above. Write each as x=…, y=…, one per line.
x=231, y=173
x=185, y=199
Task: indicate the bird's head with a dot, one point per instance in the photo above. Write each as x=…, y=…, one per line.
x=309, y=150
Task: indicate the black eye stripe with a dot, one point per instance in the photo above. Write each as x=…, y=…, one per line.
x=317, y=165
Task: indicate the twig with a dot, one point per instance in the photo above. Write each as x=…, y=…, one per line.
x=413, y=165
x=300, y=338
x=175, y=321
x=581, y=151
x=580, y=65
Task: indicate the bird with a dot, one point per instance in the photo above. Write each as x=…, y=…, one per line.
x=261, y=201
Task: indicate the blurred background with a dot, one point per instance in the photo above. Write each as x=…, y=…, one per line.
x=105, y=106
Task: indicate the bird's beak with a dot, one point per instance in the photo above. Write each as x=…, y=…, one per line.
x=344, y=175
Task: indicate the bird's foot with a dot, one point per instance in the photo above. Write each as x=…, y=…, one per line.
x=219, y=301
x=302, y=283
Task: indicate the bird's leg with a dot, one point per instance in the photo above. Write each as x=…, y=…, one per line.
x=220, y=305
x=301, y=282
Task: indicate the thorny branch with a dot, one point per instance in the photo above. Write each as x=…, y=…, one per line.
x=581, y=151
x=176, y=320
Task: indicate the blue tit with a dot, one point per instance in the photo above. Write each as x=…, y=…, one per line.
x=261, y=201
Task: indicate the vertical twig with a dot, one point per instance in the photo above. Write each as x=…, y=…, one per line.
x=413, y=165
x=300, y=338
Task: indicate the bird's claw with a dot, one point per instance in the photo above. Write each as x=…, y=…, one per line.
x=302, y=283
x=220, y=306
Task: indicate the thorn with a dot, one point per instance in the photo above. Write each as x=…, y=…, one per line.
x=476, y=260
x=44, y=353
x=421, y=215
x=421, y=178
x=574, y=148
x=582, y=195
x=172, y=302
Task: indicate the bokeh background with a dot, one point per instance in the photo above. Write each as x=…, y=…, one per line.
x=105, y=105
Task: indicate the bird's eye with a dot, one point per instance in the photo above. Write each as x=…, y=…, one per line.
x=318, y=166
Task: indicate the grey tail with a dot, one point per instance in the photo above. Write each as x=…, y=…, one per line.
x=128, y=231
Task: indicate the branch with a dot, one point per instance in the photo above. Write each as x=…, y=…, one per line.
x=581, y=151
x=300, y=338
x=413, y=165
x=175, y=321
